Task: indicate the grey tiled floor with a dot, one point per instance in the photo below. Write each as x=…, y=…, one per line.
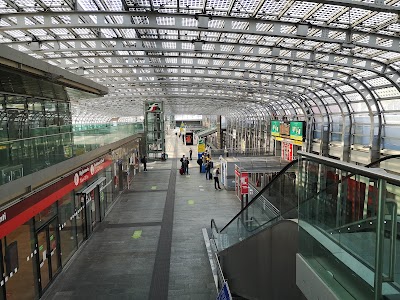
x=113, y=265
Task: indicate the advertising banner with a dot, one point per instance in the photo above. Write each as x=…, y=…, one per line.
x=297, y=130
x=244, y=183
x=189, y=138
x=275, y=128
x=287, y=151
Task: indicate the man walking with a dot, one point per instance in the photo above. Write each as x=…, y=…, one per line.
x=190, y=153
x=144, y=162
x=216, y=179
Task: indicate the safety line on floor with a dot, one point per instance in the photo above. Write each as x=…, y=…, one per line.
x=160, y=278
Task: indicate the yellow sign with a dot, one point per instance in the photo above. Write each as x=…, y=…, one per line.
x=201, y=148
x=298, y=143
x=279, y=139
x=3, y=147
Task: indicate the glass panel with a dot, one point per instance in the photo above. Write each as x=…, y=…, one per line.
x=80, y=218
x=31, y=155
x=18, y=247
x=53, y=250
x=45, y=215
x=43, y=261
x=338, y=225
x=67, y=227
x=277, y=202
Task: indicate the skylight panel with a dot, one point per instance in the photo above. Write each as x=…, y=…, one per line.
x=326, y=12
x=140, y=20
x=239, y=25
x=390, y=55
x=379, y=81
x=387, y=92
x=165, y=21
x=168, y=45
x=15, y=33
x=300, y=9
x=355, y=15
x=128, y=33
x=114, y=5
x=208, y=47
x=219, y=24
x=378, y=19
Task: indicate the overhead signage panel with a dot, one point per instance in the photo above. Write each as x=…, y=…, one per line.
x=275, y=128
x=297, y=130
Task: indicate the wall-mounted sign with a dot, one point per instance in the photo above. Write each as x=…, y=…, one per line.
x=154, y=107
x=275, y=128
x=287, y=151
x=297, y=130
x=244, y=183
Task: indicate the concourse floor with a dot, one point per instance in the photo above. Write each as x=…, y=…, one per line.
x=150, y=245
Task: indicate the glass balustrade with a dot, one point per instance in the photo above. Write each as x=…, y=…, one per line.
x=348, y=223
x=348, y=227
x=25, y=156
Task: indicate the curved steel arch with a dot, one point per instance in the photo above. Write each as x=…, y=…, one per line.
x=148, y=21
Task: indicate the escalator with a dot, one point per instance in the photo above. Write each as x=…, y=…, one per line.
x=314, y=201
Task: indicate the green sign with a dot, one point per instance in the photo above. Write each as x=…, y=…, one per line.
x=275, y=128
x=297, y=131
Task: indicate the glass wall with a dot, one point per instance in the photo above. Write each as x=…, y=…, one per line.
x=18, y=265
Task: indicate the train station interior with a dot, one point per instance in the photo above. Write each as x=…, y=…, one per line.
x=187, y=149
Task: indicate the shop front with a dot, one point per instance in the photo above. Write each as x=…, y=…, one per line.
x=40, y=234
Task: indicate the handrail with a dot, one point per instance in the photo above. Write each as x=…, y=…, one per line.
x=360, y=170
x=285, y=168
x=213, y=224
x=283, y=171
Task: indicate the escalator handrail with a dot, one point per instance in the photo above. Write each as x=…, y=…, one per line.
x=283, y=171
x=213, y=224
x=335, y=183
x=285, y=168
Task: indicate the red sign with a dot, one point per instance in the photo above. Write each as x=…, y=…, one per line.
x=244, y=183
x=287, y=151
x=23, y=211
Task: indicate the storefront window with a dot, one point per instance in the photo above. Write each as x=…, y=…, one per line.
x=67, y=227
x=45, y=215
x=19, y=265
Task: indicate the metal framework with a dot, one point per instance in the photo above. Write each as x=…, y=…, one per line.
x=334, y=62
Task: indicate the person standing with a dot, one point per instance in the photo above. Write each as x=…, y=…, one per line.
x=216, y=179
x=186, y=166
x=182, y=160
x=208, y=171
x=183, y=138
x=190, y=153
x=144, y=162
x=200, y=162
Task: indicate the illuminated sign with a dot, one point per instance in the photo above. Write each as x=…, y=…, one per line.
x=297, y=130
x=275, y=128
x=154, y=107
x=3, y=217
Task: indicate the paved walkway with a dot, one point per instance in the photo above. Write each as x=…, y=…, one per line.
x=150, y=245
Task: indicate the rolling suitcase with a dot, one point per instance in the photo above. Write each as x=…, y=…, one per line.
x=181, y=171
x=203, y=168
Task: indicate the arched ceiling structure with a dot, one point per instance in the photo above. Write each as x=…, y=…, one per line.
x=337, y=61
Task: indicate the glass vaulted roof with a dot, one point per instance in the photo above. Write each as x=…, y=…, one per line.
x=233, y=57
